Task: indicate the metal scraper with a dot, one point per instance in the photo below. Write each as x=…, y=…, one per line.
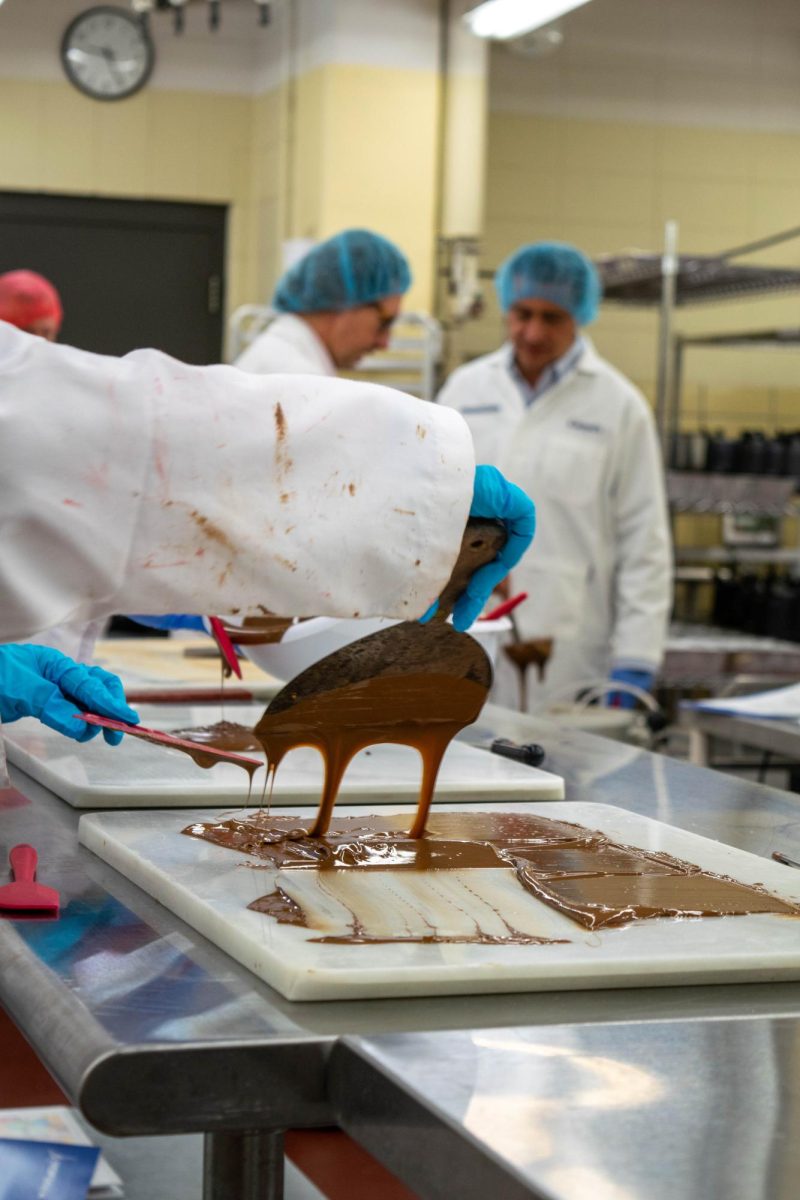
x=429, y=652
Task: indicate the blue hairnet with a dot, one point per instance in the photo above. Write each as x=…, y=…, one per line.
x=551, y=271
x=352, y=268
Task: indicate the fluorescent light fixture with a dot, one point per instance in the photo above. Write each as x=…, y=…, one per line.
x=503, y=19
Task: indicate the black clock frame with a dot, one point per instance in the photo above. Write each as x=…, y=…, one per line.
x=132, y=19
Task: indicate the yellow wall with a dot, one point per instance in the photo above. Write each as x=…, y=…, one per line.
x=162, y=145
x=337, y=146
x=265, y=217
x=609, y=186
x=364, y=154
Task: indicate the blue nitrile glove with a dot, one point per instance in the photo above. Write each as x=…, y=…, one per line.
x=36, y=681
x=493, y=496
x=170, y=621
x=640, y=679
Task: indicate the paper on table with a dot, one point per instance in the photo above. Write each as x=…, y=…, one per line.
x=779, y=703
x=56, y=1123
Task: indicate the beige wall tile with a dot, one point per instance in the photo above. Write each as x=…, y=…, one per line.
x=776, y=157
x=21, y=133
x=174, y=139
x=609, y=148
x=119, y=146
x=523, y=193
x=707, y=154
x=705, y=203
x=514, y=139
x=66, y=151
x=775, y=207
x=380, y=161
x=609, y=199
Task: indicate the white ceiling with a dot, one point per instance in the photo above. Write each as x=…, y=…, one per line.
x=720, y=62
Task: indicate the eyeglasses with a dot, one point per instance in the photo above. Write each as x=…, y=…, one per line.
x=385, y=321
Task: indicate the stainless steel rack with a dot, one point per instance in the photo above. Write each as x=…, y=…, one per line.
x=672, y=281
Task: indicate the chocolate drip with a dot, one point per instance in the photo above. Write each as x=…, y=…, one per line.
x=402, y=709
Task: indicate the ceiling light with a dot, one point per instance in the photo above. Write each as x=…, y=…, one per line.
x=503, y=19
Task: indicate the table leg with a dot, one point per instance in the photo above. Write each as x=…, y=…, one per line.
x=247, y=1166
x=698, y=748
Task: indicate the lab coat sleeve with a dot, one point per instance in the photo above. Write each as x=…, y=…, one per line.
x=643, y=577
x=144, y=485
x=450, y=393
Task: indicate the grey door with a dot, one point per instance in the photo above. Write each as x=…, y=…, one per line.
x=131, y=273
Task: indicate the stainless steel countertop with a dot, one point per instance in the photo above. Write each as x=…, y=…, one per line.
x=151, y=1029
x=644, y=1111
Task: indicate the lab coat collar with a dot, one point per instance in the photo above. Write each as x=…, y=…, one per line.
x=299, y=333
x=589, y=362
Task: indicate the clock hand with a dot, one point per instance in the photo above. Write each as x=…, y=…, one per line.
x=111, y=64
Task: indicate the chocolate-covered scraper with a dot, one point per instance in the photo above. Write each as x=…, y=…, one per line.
x=411, y=684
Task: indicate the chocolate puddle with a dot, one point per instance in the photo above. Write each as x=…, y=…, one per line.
x=579, y=872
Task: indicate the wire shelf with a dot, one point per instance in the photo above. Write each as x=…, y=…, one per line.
x=636, y=279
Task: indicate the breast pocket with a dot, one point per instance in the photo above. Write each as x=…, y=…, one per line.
x=556, y=604
x=571, y=469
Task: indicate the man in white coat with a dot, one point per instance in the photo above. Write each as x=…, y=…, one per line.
x=336, y=304
x=143, y=483
x=580, y=438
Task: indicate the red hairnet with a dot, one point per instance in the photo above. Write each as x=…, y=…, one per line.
x=26, y=297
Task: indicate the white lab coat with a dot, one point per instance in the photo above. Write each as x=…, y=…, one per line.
x=289, y=346
x=141, y=484
x=598, y=574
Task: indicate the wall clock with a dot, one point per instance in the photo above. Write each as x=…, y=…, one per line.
x=107, y=53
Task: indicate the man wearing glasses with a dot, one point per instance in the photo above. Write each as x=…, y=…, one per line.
x=335, y=305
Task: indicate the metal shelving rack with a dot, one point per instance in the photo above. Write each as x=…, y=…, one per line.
x=672, y=281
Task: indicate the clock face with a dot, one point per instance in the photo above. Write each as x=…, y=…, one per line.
x=107, y=53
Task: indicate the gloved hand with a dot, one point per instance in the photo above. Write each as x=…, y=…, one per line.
x=640, y=679
x=36, y=681
x=171, y=621
x=494, y=496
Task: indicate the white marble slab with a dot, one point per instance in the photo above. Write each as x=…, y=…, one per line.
x=138, y=774
x=210, y=888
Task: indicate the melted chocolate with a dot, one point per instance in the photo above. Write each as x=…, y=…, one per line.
x=259, y=631
x=222, y=735
x=286, y=911
x=203, y=758
x=580, y=872
x=402, y=709
x=534, y=653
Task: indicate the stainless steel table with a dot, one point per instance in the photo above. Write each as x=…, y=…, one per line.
x=774, y=736
x=656, y=1110
x=151, y=1030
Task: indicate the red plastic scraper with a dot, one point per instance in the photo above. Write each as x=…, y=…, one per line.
x=166, y=739
x=24, y=892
